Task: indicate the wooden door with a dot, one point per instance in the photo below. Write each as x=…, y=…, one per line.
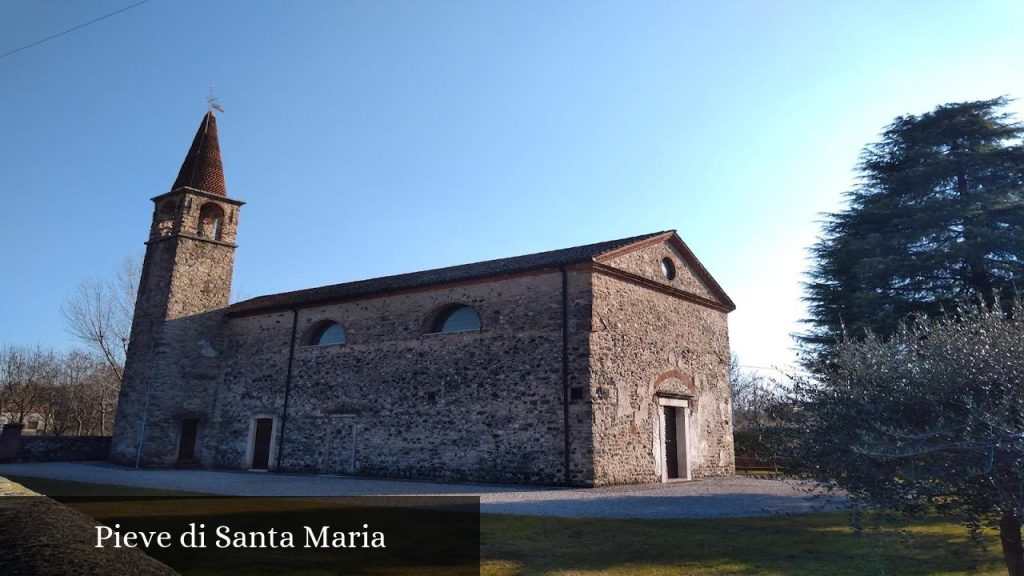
x=187, y=443
x=261, y=443
x=671, y=443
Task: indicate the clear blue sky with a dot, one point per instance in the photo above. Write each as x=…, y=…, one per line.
x=371, y=138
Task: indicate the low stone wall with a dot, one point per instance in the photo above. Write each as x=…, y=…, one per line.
x=39, y=536
x=63, y=448
x=10, y=437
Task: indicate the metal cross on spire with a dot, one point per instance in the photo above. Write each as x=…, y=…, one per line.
x=213, y=103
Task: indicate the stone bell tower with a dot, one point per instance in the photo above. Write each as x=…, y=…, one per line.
x=186, y=279
x=191, y=249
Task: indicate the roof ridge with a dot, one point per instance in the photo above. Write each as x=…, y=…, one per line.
x=465, y=271
x=629, y=241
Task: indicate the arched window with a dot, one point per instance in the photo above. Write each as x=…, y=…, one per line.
x=668, y=268
x=211, y=217
x=164, y=221
x=327, y=333
x=458, y=318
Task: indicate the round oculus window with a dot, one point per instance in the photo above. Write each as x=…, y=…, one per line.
x=668, y=268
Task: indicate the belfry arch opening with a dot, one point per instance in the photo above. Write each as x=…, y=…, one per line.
x=167, y=208
x=163, y=224
x=211, y=221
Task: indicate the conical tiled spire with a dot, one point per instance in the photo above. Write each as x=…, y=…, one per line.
x=202, y=169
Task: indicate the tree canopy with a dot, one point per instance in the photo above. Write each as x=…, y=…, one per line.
x=936, y=220
x=932, y=416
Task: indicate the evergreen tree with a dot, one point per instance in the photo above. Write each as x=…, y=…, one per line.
x=937, y=220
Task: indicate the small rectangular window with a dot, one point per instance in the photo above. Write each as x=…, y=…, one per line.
x=576, y=393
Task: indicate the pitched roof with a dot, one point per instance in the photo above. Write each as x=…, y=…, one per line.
x=462, y=273
x=202, y=167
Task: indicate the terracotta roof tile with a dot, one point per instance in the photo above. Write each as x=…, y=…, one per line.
x=202, y=167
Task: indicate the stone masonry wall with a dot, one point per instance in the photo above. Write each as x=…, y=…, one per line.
x=397, y=401
x=646, y=263
x=645, y=342
x=202, y=279
x=172, y=367
x=482, y=405
x=147, y=326
x=253, y=385
x=63, y=448
x=186, y=372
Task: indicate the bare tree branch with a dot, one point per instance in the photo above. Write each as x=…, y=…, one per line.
x=99, y=314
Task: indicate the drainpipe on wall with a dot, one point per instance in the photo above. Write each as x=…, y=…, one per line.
x=287, y=386
x=565, y=368
x=145, y=416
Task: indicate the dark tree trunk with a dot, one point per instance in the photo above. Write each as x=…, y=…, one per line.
x=1013, y=551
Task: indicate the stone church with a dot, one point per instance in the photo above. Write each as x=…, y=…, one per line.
x=594, y=365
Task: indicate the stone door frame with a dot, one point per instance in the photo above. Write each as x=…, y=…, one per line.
x=250, y=448
x=683, y=451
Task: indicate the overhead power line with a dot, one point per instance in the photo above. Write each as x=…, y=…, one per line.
x=785, y=370
x=70, y=30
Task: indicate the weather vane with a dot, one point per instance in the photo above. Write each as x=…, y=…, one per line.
x=213, y=103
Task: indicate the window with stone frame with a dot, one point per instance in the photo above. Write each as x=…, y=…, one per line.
x=668, y=268
x=456, y=318
x=326, y=333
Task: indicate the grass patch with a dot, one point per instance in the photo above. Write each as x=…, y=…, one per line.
x=809, y=545
x=59, y=489
x=761, y=473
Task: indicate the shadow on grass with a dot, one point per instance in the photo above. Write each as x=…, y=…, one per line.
x=670, y=506
x=58, y=489
x=811, y=545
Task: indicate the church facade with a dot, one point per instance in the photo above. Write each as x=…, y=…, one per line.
x=593, y=365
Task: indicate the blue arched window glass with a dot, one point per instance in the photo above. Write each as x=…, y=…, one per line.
x=457, y=319
x=329, y=333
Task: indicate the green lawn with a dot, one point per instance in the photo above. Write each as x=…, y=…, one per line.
x=819, y=544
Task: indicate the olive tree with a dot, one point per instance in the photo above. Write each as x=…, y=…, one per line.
x=931, y=417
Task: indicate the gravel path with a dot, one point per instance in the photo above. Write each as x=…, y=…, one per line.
x=711, y=498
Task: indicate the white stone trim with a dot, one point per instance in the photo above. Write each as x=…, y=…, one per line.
x=251, y=441
x=683, y=449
